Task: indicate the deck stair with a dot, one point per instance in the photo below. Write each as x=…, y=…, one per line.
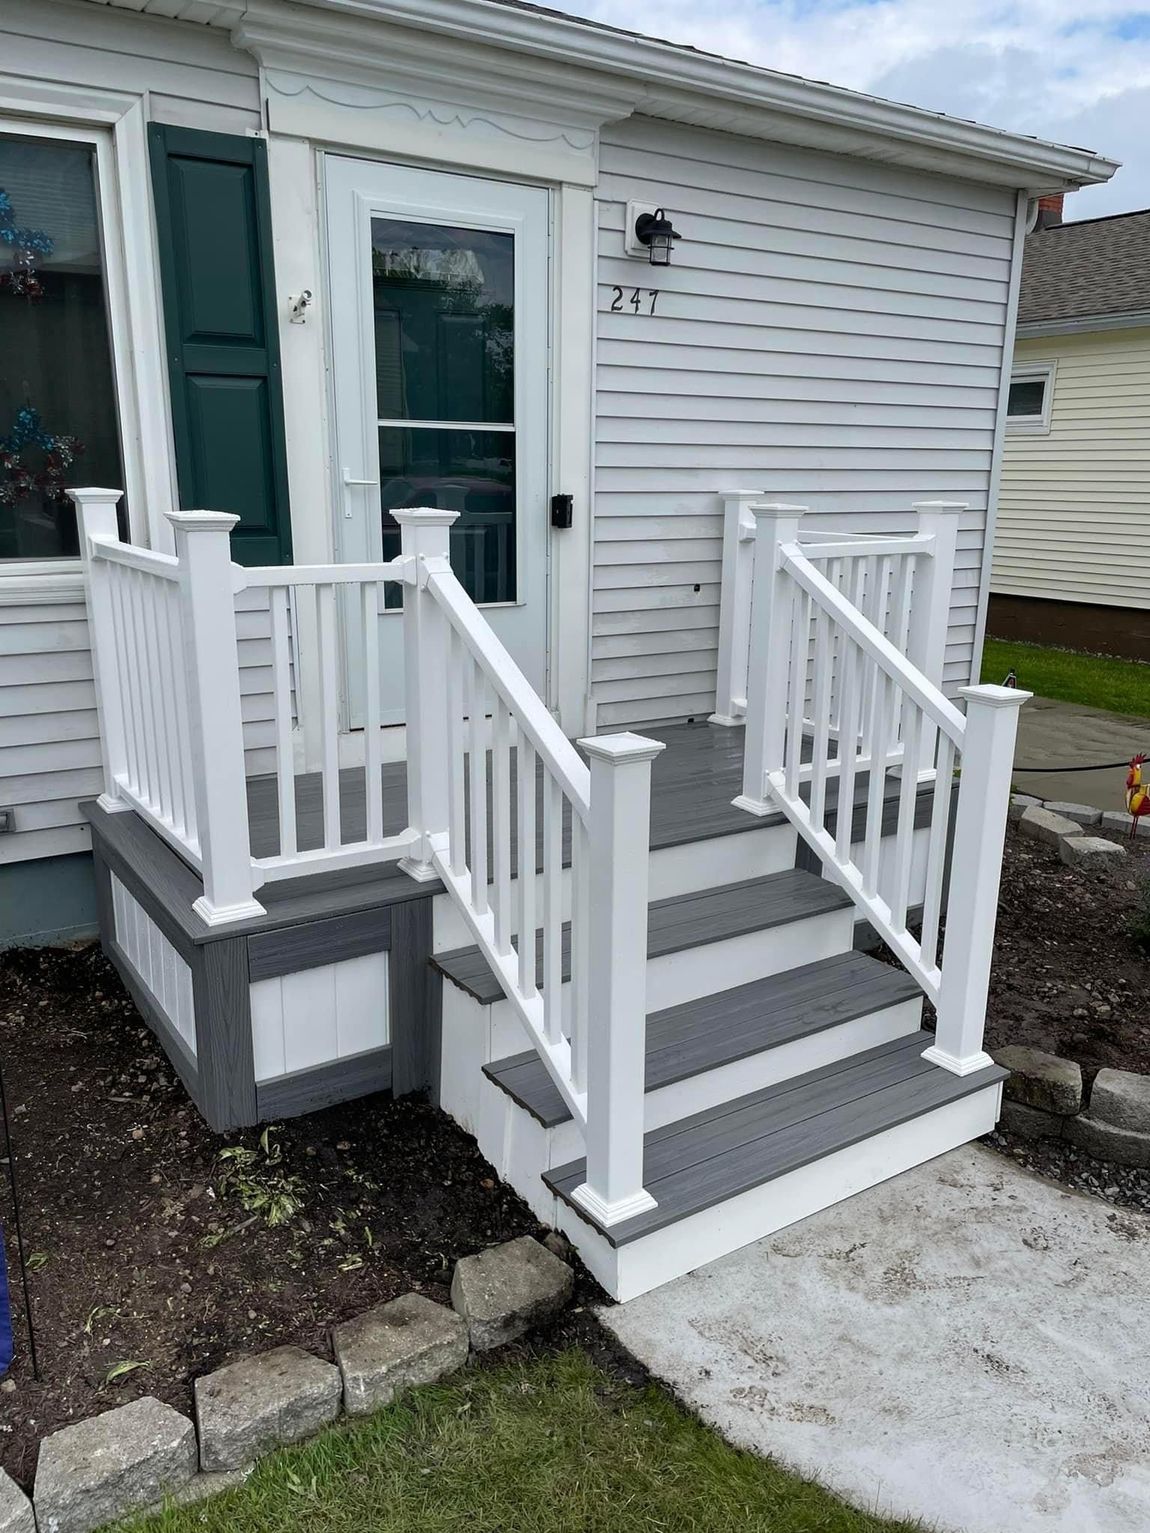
x=784, y=1070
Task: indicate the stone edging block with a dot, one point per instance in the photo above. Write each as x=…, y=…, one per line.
x=16, y=1515
x=507, y=1290
x=111, y=1465
x=263, y=1402
x=410, y=1341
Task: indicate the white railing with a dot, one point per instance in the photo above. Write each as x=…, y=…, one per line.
x=902, y=582
x=500, y=805
x=503, y=802
x=831, y=683
x=304, y=607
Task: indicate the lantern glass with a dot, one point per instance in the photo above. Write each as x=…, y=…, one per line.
x=659, y=249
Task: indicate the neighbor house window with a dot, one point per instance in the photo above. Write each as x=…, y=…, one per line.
x=1028, y=403
x=58, y=421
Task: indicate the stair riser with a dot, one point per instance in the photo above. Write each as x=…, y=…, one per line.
x=706, y=970
x=674, y=870
x=630, y=1270
x=699, y=1092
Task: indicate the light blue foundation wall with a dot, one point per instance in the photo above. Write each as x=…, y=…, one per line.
x=47, y=900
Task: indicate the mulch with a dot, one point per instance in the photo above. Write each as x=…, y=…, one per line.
x=153, y=1259
x=1069, y=976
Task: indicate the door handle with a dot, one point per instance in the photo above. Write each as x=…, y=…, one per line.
x=350, y=483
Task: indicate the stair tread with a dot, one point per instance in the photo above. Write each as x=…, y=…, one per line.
x=683, y=921
x=700, y=1035
x=712, y=1156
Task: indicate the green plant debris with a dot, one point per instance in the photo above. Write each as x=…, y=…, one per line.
x=122, y=1370
x=255, y=1178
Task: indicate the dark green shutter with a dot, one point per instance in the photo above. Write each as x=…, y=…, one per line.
x=213, y=220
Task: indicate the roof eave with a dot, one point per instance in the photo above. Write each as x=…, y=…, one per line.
x=684, y=85
x=1076, y=324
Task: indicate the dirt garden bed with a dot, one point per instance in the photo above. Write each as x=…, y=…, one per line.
x=155, y=1257
x=1068, y=976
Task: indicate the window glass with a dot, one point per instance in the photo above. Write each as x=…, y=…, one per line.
x=444, y=313
x=58, y=425
x=1026, y=397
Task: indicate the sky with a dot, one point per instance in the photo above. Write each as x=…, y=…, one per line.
x=1075, y=71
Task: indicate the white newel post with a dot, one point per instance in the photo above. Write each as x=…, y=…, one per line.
x=619, y=844
x=933, y=585
x=735, y=606
x=203, y=548
x=775, y=524
x=976, y=867
x=425, y=535
x=96, y=522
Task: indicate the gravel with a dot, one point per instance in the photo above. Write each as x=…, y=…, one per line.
x=1124, y=1186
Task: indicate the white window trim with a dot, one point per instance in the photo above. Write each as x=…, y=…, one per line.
x=115, y=123
x=1033, y=425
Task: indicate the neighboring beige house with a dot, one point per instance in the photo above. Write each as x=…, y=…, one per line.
x=1072, y=541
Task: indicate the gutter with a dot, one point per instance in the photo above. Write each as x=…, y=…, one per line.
x=1078, y=324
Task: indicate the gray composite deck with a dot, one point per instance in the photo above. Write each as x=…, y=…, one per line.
x=702, y=1160
x=720, y=1029
x=685, y=921
x=692, y=784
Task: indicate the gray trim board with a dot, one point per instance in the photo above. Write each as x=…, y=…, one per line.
x=720, y=1029
x=290, y=949
x=685, y=921
x=715, y=1155
x=415, y=990
x=222, y=998
x=309, y=1090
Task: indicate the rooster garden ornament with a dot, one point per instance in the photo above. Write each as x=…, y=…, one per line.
x=1137, y=793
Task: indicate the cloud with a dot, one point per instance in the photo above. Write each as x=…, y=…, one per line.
x=1075, y=71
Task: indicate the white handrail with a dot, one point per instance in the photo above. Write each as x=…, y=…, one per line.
x=522, y=832
x=828, y=679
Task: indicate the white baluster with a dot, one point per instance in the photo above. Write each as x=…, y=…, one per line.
x=96, y=522
x=979, y=833
x=425, y=533
x=552, y=908
x=619, y=838
x=281, y=695
x=501, y=825
x=525, y=863
x=216, y=726
x=765, y=735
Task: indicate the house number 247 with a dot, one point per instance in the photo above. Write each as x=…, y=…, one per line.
x=640, y=302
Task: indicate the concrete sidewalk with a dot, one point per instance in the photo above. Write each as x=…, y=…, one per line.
x=967, y=1344
x=1054, y=734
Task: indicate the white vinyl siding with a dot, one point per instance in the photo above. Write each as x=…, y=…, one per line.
x=1074, y=507
x=49, y=751
x=830, y=332
x=307, y=1019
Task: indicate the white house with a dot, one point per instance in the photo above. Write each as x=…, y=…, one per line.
x=552, y=382
x=1072, y=545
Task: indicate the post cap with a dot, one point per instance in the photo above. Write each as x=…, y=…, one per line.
x=768, y=508
x=995, y=697
x=940, y=505
x=425, y=516
x=93, y=494
x=622, y=747
x=202, y=521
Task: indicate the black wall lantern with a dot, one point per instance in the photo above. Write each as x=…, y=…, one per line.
x=654, y=230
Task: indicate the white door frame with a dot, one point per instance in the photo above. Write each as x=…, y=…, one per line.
x=297, y=195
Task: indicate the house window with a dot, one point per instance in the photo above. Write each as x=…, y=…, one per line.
x=1028, y=402
x=58, y=418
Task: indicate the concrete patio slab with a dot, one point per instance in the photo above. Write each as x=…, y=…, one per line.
x=1054, y=734
x=965, y=1344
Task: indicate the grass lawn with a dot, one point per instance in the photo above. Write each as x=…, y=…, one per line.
x=1119, y=686
x=550, y=1445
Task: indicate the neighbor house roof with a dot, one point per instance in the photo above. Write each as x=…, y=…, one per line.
x=1098, y=268
x=683, y=84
